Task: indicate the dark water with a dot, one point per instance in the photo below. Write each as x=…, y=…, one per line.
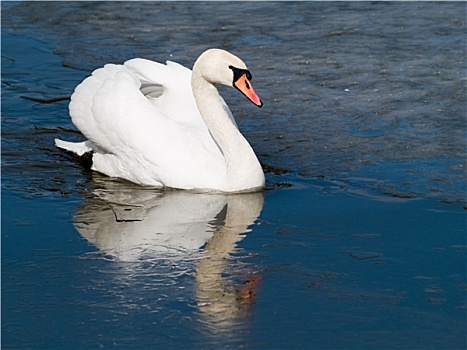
x=360, y=241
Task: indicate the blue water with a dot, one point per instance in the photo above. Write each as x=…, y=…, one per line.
x=358, y=242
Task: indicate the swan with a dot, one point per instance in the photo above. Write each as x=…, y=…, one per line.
x=165, y=125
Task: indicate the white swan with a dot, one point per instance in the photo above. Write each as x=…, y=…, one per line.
x=164, y=125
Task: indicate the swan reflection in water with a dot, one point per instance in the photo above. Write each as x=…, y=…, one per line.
x=135, y=224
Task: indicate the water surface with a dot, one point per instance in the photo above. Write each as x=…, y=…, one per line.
x=359, y=240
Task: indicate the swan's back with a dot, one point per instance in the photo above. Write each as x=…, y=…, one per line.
x=103, y=93
x=153, y=139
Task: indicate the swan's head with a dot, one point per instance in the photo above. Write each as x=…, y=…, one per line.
x=221, y=67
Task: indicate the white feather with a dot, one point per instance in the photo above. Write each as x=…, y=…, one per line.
x=143, y=123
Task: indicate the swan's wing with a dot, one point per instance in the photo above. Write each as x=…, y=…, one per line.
x=151, y=90
x=161, y=138
x=158, y=80
x=168, y=87
x=91, y=107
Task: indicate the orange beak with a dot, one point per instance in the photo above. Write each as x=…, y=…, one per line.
x=245, y=87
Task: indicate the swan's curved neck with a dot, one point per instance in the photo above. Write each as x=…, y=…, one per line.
x=242, y=166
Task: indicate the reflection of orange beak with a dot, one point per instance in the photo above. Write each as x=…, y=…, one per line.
x=249, y=290
x=245, y=87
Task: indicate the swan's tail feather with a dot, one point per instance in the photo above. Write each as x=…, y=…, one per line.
x=81, y=152
x=79, y=148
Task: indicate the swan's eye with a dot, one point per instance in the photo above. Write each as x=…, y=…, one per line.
x=238, y=72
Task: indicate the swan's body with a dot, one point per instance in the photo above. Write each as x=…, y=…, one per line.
x=164, y=125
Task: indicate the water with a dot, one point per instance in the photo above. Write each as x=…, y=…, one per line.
x=359, y=241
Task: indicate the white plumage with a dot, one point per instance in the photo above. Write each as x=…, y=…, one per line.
x=164, y=125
